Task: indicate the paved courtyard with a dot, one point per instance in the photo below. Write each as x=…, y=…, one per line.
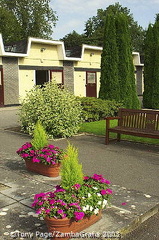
x=132, y=168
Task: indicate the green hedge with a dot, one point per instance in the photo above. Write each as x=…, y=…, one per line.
x=94, y=109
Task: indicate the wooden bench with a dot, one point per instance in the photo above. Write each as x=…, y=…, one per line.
x=141, y=123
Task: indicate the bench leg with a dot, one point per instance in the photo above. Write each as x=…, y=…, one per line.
x=107, y=138
x=118, y=137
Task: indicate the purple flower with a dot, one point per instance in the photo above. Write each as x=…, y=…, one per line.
x=47, y=211
x=78, y=215
x=35, y=159
x=59, y=189
x=76, y=186
x=39, y=195
x=76, y=205
x=105, y=181
x=51, y=146
x=106, y=191
x=51, y=201
x=86, y=178
x=60, y=211
x=24, y=155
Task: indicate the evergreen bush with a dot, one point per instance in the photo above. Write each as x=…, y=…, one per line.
x=71, y=170
x=40, y=138
x=94, y=109
x=57, y=109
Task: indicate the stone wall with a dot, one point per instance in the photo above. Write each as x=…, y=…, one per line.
x=68, y=71
x=10, y=79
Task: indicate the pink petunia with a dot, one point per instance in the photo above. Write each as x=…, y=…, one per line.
x=103, y=192
x=109, y=191
x=76, y=186
x=39, y=195
x=35, y=159
x=105, y=181
x=51, y=201
x=86, y=177
x=78, y=215
x=60, y=211
x=47, y=211
x=124, y=203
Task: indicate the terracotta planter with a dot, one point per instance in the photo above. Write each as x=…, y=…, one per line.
x=46, y=170
x=57, y=227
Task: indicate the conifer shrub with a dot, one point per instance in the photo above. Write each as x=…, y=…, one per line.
x=40, y=138
x=57, y=109
x=71, y=170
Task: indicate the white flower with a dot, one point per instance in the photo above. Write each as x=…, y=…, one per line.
x=89, y=195
x=98, y=194
x=96, y=211
x=99, y=202
x=84, y=209
x=91, y=208
x=87, y=207
x=95, y=188
x=104, y=203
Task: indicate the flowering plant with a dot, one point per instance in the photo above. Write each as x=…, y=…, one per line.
x=76, y=202
x=48, y=155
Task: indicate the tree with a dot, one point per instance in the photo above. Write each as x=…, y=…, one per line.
x=151, y=66
x=148, y=67
x=72, y=39
x=9, y=27
x=109, y=85
x=126, y=75
x=94, y=27
x=117, y=69
x=35, y=18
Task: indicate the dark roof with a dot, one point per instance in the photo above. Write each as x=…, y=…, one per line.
x=75, y=51
x=16, y=47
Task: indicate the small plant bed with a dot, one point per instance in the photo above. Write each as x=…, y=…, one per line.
x=99, y=128
x=77, y=202
x=39, y=156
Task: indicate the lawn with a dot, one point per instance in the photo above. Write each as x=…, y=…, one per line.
x=98, y=128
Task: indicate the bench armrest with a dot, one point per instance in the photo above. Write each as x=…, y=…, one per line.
x=108, y=121
x=112, y=118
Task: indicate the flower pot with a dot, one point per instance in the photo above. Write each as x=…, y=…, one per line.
x=57, y=227
x=46, y=170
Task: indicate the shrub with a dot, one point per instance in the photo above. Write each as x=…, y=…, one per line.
x=71, y=169
x=39, y=140
x=58, y=111
x=94, y=109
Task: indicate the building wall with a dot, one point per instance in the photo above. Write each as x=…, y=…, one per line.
x=20, y=72
x=42, y=55
x=79, y=83
x=91, y=62
x=11, y=80
x=26, y=82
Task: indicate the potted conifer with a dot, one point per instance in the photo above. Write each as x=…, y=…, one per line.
x=76, y=203
x=39, y=156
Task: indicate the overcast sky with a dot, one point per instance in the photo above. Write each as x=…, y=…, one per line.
x=73, y=14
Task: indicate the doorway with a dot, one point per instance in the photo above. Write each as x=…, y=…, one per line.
x=42, y=76
x=91, y=85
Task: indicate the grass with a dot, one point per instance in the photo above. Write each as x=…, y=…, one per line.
x=98, y=128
